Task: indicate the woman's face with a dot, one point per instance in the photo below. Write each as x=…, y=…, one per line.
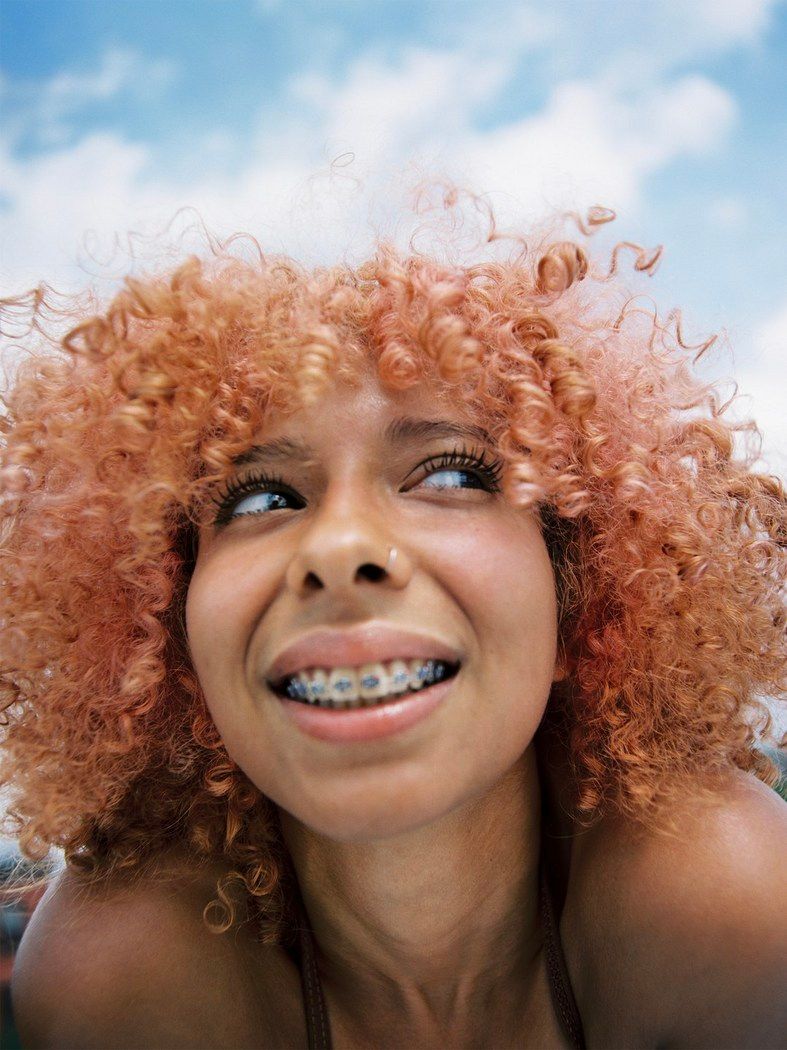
x=470, y=571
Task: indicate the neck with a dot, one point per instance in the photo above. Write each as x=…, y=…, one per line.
x=438, y=926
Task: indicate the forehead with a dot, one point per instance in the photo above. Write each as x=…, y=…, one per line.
x=366, y=409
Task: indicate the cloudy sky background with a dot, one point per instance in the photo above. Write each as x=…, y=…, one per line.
x=297, y=120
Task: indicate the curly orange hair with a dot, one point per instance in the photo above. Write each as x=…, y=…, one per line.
x=669, y=548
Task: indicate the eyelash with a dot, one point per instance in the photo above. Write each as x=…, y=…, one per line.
x=234, y=491
x=489, y=471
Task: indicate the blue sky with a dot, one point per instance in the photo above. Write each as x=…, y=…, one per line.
x=116, y=114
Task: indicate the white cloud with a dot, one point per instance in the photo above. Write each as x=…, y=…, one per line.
x=594, y=142
x=596, y=139
x=642, y=42
x=726, y=22
x=771, y=337
x=384, y=111
x=58, y=197
x=760, y=374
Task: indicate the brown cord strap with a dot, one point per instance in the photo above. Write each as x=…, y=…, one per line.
x=560, y=991
x=317, y=1025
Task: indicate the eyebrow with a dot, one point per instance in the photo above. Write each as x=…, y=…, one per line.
x=401, y=431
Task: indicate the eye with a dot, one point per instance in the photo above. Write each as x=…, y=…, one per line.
x=257, y=494
x=456, y=475
x=461, y=465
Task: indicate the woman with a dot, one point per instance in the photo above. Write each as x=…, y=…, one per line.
x=384, y=647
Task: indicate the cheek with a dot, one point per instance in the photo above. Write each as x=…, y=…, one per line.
x=215, y=617
x=202, y=646
x=506, y=584
x=228, y=589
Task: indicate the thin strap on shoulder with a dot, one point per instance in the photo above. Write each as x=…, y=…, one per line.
x=317, y=1025
x=563, y=1001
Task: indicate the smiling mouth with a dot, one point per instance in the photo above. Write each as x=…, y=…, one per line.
x=344, y=691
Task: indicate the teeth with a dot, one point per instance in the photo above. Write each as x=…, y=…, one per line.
x=317, y=687
x=364, y=686
x=376, y=681
x=399, y=676
x=419, y=674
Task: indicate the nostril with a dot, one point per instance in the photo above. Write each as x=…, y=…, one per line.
x=372, y=572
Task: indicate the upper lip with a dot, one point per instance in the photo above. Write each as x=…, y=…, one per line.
x=372, y=642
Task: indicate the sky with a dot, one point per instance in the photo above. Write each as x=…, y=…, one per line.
x=299, y=121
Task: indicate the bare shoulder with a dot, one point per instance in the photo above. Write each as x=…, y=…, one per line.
x=681, y=939
x=136, y=967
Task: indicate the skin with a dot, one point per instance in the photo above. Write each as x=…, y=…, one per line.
x=416, y=854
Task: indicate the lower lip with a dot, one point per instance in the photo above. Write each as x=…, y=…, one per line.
x=366, y=723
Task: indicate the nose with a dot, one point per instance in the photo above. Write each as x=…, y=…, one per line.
x=339, y=554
